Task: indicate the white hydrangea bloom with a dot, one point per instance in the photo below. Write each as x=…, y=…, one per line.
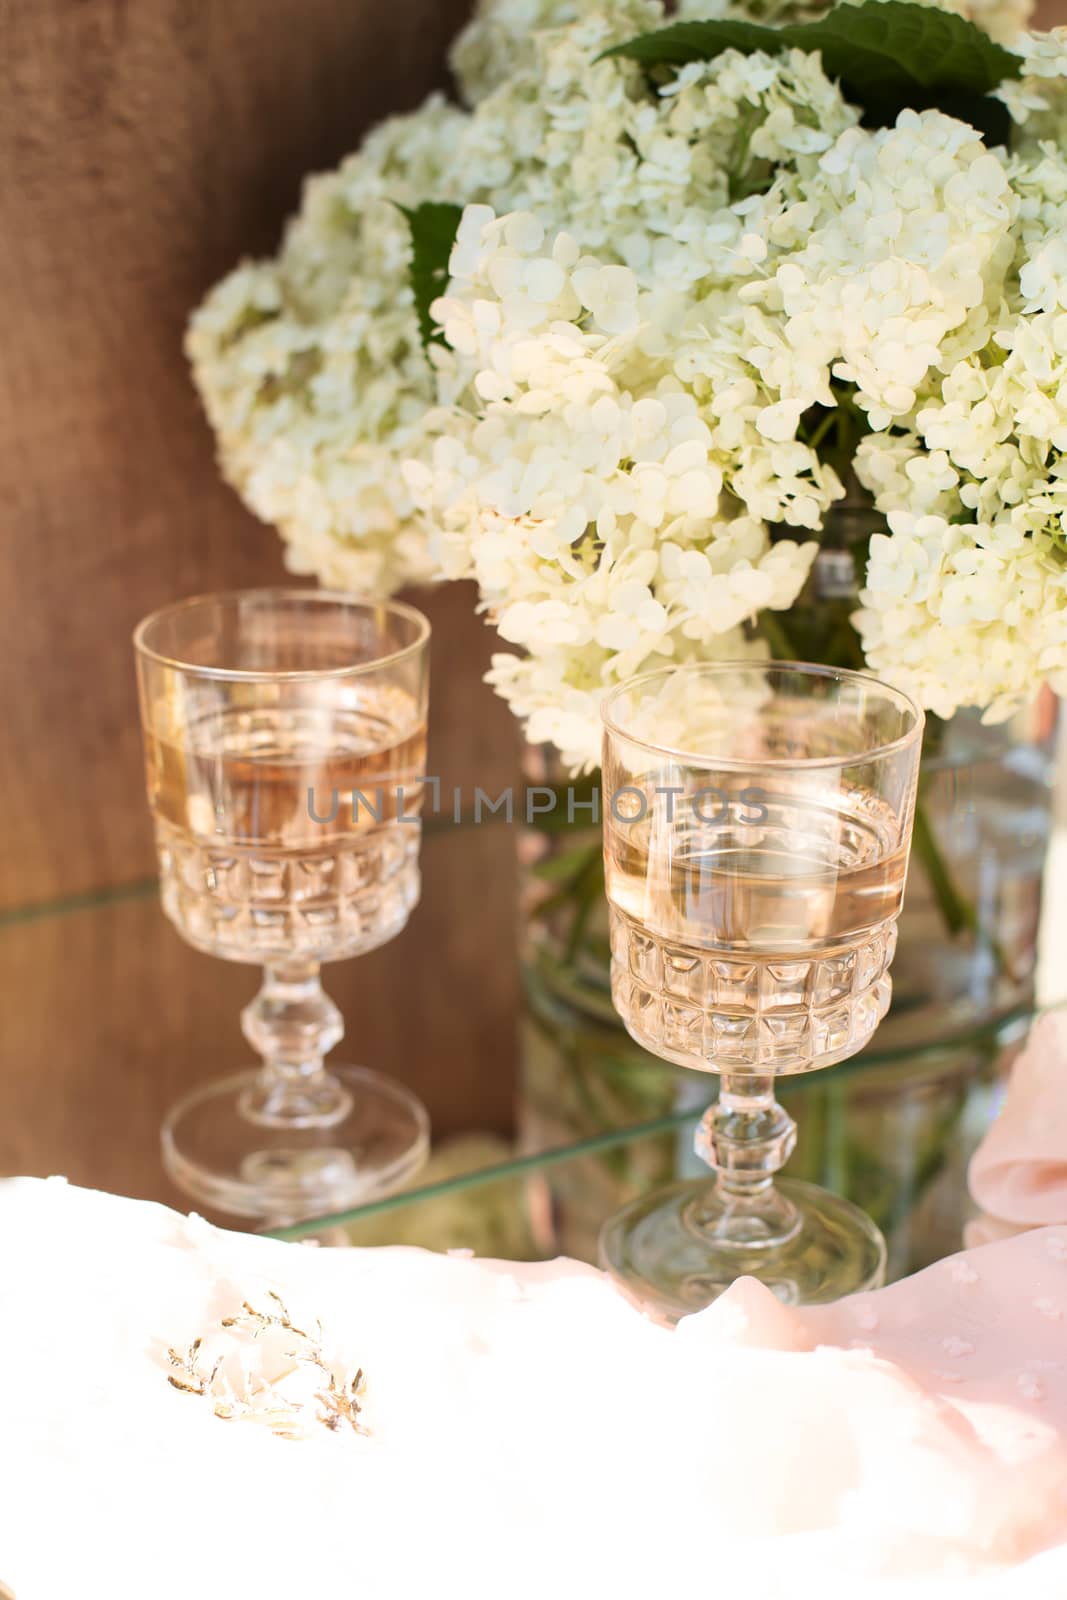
x=498, y=41
x=610, y=477
x=588, y=488
x=966, y=602
x=902, y=239
x=560, y=705
x=311, y=367
x=640, y=178
x=971, y=615
x=312, y=370
x=662, y=296
x=1037, y=99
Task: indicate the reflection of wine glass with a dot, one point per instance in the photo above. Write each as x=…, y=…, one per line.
x=285, y=744
x=757, y=820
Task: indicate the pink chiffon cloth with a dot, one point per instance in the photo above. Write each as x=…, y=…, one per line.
x=1018, y=1175
x=959, y=1373
x=953, y=1394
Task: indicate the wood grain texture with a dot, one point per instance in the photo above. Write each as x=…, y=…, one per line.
x=144, y=149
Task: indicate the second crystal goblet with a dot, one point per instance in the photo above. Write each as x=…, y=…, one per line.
x=757, y=821
x=285, y=743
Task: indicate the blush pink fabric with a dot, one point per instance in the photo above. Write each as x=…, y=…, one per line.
x=955, y=1391
x=1019, y=1173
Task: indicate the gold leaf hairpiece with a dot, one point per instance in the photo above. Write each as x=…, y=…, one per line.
x=264, y=1397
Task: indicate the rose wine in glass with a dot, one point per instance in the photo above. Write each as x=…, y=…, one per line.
x=318, y=852
x=756, y=830
x=285, y=750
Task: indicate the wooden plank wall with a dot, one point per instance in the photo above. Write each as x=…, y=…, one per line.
x=143, y=149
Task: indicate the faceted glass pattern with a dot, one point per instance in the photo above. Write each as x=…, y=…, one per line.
x=718, y=1012
x=263, y=909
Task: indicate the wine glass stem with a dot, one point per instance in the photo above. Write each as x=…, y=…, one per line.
x=292, y=1023
x=746, y=1137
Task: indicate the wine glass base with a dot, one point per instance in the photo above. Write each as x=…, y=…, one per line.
x=277, y=1174
x=669, y=1265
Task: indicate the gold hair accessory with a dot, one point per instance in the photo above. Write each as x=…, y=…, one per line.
x=258, y=1366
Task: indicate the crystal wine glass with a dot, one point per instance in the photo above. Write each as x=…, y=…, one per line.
x=285, y=746
x=757, y=821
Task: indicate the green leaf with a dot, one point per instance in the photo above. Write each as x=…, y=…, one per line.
x=433, y=233
x=570, y=805
x=884, y=47
x=682, y=42
x=886, y=55
x=567, y=866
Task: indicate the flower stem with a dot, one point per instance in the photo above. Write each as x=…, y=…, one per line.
x=776, y=636
x=957, y=911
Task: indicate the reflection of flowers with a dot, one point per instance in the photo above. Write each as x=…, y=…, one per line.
x=690, y=711
x=681, y=313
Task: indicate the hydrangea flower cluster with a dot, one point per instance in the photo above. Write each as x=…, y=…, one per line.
x=312, y=371
x=661, y=297
x=966, y=598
